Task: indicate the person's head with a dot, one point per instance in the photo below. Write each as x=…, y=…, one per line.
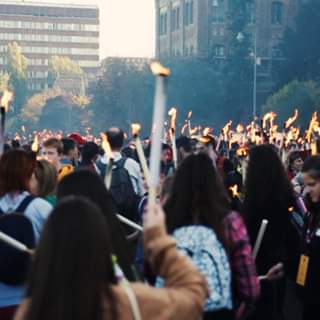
x=311, y=177
x=197, y=195
x=89, y=152
x=88, y=184
x=44, y=180
x=70, y=149
x=72, y=270
x=116, y=138
x=52, y=151
x=16, y=169
x=295, y=161
x=184, y=147
x=166, y=188
x=266, y=184
x=207, y=145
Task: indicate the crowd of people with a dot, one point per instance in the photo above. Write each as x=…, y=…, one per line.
x=197, y=257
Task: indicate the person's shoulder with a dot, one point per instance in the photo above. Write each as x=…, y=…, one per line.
x=129, y=162
x=39, y=204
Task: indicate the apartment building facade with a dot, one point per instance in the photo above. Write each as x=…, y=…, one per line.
x=43, y=30
x=200, y=28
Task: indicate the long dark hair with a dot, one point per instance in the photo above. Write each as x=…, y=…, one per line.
x=197, y=196
x=268, y=191
x=87, y=184
x=72, y=271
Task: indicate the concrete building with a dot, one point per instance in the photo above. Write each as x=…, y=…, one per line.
x=44, y=30
x=199, y=28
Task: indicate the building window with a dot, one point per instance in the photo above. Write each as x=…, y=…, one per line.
x=250, y=11
x=188, y=13
x=276, y=12
x=163, y=24
x=219, y=51
x=218, y=11
x=175, y=19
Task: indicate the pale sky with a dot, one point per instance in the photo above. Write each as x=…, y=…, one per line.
x=127, y=26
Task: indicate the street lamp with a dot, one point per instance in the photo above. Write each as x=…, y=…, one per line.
x=256, y=62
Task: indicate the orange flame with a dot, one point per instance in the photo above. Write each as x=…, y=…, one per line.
x=159, y=70
x=6, y=99
x=193, y=131
x=105, y=145
x=235, y=191
x=206, y=131
x=313, y=123
x=292, y=119
x=242, y=152
x=35, y=144
x=135, y=129
x=291, y=209
x=189, y=115
x=270, y=116
x=203, y=140
x=240, y=128
x=173, y=114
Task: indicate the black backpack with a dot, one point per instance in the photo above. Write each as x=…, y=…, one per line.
x=14, y=264
x=122, y=191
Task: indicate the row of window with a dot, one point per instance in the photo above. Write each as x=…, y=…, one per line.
x=37, y=85
x=54, y=50
x=219, y=11
x=37, y=74
x=45, y=62
x=188, y=12
x=48, y=26
x=46, y=38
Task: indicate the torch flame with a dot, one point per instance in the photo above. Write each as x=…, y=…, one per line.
x=6, y=99
x=173, y=114
x=235, y=192
x=159, y=70
x=313, y=123
x=135, y=129
x=206, y=131
x=189, y=114
x=35, y=144
x=242, y=152
x=292, y=119
x=105, y=145
x=270, y=116
x=240, y=128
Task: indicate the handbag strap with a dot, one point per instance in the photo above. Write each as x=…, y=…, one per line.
x=133, y=302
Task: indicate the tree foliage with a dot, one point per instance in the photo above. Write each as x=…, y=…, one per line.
x=63, y=66
x=55, y=109
x=16, y=67
x=301, y=46
x=304, y=96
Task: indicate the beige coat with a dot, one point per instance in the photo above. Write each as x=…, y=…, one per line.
x=182, y=298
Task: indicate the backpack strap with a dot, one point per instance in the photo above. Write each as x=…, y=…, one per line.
x=120, y=163
x=24, y=203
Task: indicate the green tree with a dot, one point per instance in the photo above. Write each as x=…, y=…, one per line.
x=123, y=94
x=4, y=81
x=238, y=68
x=63, y=66
x=301, y=47
x=16, y=67
x=304, y=96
